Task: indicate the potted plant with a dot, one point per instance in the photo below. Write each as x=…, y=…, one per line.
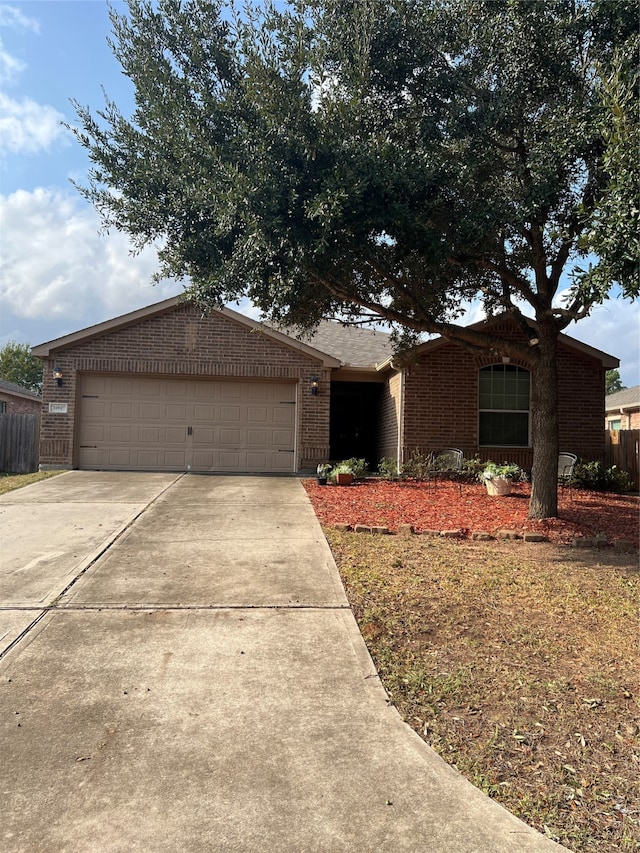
x=498, y=478
x=322, y=473
x=342, y=475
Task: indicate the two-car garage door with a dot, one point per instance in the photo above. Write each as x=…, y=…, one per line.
x=157, y=424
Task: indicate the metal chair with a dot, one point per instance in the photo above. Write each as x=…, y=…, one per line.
x=445, y=465
x=566, y=465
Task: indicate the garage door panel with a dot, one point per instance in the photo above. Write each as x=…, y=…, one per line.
x=283, y=438
x=203, y=413
x=176, y=412
x=150, y=460
x=284, y=414
x=230, y=414
x=92, y=433
x=230, y=436
x=151, y=388
x=256, y=460
x=120, y=434
x=175, y=460
x=120, y=410
x=203, y=435
x=150, y=411
x=143, y=423
x=94, y=409
x=258, y=438
x=229, y=461
x=120, y=458
x=257, y=415
x=204, y=460
x=230, y=391
x=175, y=435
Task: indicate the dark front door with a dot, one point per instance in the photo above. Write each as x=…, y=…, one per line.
x=354, y=420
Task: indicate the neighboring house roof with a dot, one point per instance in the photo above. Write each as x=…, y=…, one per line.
x=18, y=391
x=629, y=398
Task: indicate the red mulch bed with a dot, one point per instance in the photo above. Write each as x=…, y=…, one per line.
x=388, y=504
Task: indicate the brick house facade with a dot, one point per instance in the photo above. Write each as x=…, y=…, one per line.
x=165, y=388
x=15, y=400
x=440, y=400
x=622, y=409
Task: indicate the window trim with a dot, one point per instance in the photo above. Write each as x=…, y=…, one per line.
x=481, y=411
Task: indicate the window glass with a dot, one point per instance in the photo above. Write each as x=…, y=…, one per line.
x=503, y=403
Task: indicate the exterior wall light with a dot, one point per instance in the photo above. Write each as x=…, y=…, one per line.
x=57, y=375
x=314, y=386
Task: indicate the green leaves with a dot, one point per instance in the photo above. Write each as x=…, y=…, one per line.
x=17, y=365
x=397, y=157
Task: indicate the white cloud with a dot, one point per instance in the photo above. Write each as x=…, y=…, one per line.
x=614, y=327
x=27, y=127
x=57, y=269
x=13, y=16
x=10, y=66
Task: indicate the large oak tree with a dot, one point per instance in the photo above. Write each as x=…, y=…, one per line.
x=383, y=159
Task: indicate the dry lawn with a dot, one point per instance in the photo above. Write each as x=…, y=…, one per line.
x=519, y=664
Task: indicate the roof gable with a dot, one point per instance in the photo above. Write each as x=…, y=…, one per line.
x=608, y=361
x=174, y=303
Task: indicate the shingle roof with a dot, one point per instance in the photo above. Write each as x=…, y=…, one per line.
x=352, y=345
x=628, y=397
x=12, y=388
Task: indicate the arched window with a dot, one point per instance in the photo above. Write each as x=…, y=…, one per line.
x=503, y=404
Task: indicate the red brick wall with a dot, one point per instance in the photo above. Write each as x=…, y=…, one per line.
x=441, y=404
x=19, y=405
x=183, y=343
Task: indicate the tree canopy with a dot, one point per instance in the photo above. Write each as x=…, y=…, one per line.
x=383, y=160
x=17, y=365
x=613, y=382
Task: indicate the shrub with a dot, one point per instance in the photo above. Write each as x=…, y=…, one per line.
x=595, y=476
x=355, y=466
x=507, y=471
x=471, y=468
x=388, y=468
x=417, y=466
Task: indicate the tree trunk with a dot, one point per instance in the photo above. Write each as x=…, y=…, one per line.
x=544, y=428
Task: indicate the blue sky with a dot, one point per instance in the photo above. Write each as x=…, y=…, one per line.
x=58, y=273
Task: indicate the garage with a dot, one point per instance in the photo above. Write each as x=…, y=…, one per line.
x=144, y=423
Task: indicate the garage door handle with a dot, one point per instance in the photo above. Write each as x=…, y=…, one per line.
x=280, y=450
x=189, y=430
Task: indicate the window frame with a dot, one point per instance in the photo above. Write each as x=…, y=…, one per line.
x=527, y=411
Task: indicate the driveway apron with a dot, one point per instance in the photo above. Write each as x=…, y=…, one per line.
x=180, y=671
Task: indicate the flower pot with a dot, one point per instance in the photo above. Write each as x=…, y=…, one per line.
x=322, y=481
x=498, y=486
x=344, y=479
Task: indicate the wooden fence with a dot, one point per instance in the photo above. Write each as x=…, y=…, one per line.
x=19, y=436
x=622, y=450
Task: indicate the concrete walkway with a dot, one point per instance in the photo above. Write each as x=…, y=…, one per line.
x=180, y=671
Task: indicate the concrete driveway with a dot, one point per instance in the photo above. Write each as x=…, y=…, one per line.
x=180, y=671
